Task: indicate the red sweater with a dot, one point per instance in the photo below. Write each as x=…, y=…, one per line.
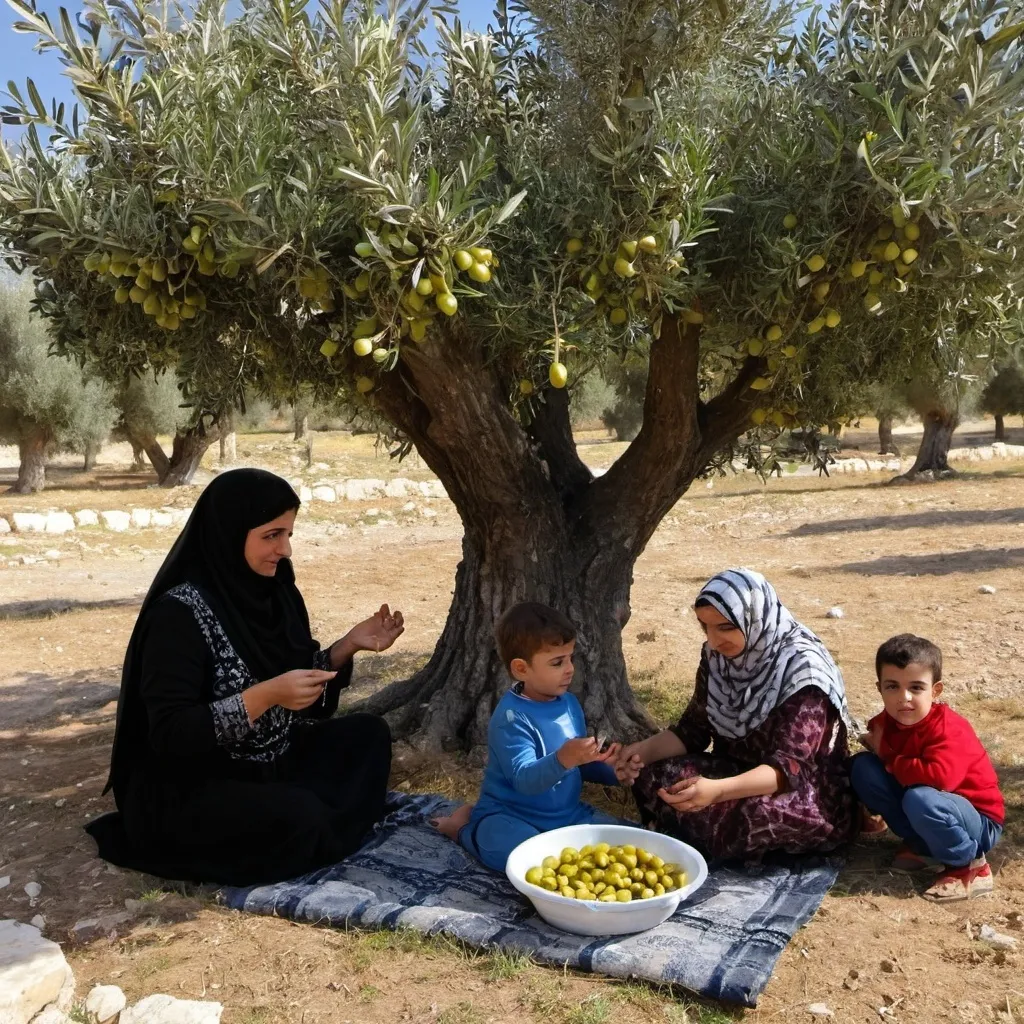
x=944, y=752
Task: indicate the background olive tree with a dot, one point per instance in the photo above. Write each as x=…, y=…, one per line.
x=454, y=240
x=47, y=404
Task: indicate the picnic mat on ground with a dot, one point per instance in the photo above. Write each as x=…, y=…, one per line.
x=723, y=942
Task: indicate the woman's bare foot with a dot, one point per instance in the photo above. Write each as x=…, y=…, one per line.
x=451, y=825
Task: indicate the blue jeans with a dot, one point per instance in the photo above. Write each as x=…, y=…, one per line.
x=492, y=837
x=932, y=823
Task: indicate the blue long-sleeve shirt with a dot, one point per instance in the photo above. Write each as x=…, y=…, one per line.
x=524, y=776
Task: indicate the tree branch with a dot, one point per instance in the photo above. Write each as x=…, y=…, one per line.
x=727, y=415
x=551, y=430
x=653, y=472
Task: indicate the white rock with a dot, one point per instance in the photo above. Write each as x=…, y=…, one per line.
x=986, y=589
x=305, y=494
x=52, y=1015
x=397, y=488
x=38, y=922
x=5, y=527
x=28, y=522
x=90, y=928
x=180, y=515
x=161, y=1009
x=59, y=522
x=996, y=939
x=53, y=554
x=819, y=1010
x=324, y=493
x=105, y=1002
x=33, y=973
x=5, y=881
x=32, y=891
x=116, y=521
x=141, y=517
x=163, y=519
x=427, y=513
x=835, y=613
x=372, y=512
x=409, y=506
x=87, y=517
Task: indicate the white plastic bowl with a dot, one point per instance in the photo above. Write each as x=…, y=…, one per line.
x=589, y=917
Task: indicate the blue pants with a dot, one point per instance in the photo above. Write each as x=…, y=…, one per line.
x=932, y=823
x=492, y=837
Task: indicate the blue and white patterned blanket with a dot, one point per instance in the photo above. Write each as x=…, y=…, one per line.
x=722, y=943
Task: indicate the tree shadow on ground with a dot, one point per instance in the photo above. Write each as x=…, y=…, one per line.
x=51, y=607
x=36, y=698
x=940, y=564
x=913, y=521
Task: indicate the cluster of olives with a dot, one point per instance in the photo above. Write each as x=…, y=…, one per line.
x=425, y=290
x=165, y=287
x=607, y=874
x=886, y=266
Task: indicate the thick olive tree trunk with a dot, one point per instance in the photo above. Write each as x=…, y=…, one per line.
x=539, y=526
x=228, y=440
x=92, y=451
x=32, y=451
x=885, y=445
x=1000, y=427
x=187, y=451
x=301, y=424
x=933, y=455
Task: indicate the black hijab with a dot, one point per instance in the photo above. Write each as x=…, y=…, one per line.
x=264, y=617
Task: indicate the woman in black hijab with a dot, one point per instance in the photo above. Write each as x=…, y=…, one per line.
x=227, y=766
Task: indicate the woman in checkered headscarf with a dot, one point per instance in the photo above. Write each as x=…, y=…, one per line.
x=771, y=703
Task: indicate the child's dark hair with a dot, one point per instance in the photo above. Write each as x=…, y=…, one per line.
x=525, y=628
x=901, y=650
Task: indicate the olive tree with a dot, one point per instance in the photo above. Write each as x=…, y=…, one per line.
x=1004, y=396
x=454, y=239
x=47, y=404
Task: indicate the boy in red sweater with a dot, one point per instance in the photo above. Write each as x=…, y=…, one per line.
x=928, y=774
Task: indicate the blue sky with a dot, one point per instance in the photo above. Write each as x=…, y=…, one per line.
x=18, y=59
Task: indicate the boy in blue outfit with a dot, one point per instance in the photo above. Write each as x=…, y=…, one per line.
x=539, y=754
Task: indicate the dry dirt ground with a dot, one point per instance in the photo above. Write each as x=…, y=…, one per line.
x=909, y=558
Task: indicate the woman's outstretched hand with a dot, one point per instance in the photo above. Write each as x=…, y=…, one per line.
x=628, y=766
x=379, y=631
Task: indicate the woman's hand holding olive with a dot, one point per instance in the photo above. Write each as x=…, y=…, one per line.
x=692, y=794
x=293, y=690
x=377, y=633
x=628, y=765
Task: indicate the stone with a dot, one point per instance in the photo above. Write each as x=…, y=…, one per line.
x=5, y=881
x=116, y=521
x=87, y=517
x=38, y=922
x=59, y=522
x=32, y=891
x=52, y=1015
x=5, y=527
x=162, y=519
x=997, y=940
x=104, y=1003
x=324, y=493
x=141, y=517
x=409, y=506
x=397, y=488
x=819, y=1010
x=53, y=554
x=835, y=613
x=305, y=494
x=107, y=926
x=28, y=522
x=33, y=973
x=162, y=1009
x=428, y=513
x=986, y=588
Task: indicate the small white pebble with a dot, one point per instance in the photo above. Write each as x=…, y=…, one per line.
x=834, y=613
x=819, y=1010
x=38, y=922
x=6, y=880
x=32, y=890
x=60, y=803
x=985, y=588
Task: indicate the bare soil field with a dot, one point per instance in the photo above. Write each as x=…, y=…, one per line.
x=909, y=558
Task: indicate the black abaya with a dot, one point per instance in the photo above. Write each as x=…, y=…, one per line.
x=204, y=794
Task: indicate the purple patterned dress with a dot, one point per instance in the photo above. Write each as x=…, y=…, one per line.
x=803, y=737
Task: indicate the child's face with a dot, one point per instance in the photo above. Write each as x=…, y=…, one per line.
x=907, y=693
x=547, y=674
x=723, y=637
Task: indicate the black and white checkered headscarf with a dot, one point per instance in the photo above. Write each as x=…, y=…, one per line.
x=779, y=658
